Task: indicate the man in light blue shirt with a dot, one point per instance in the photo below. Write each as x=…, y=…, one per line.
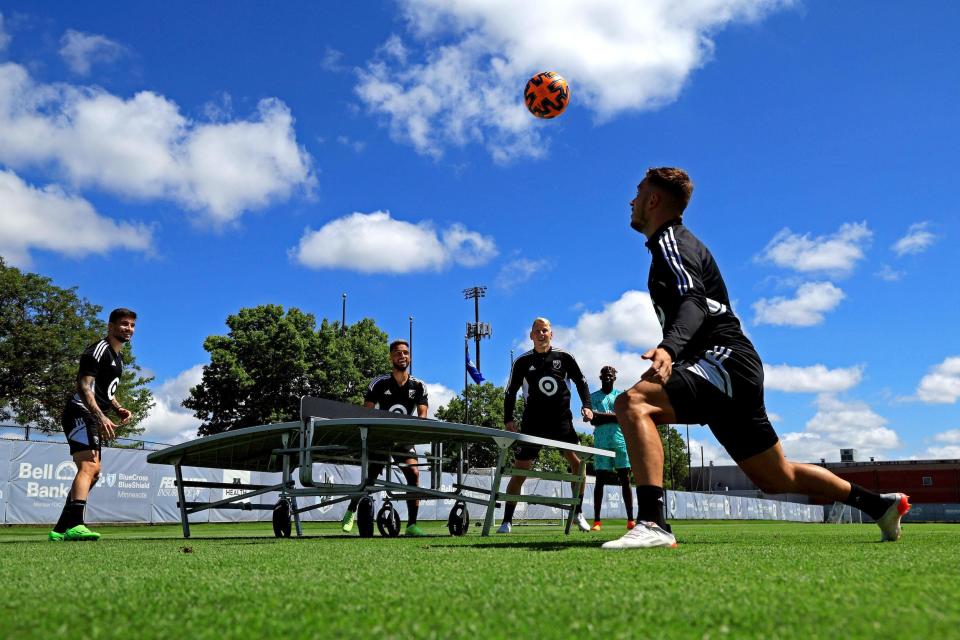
x=607, y=435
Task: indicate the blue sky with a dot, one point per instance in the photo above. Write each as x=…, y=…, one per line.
x=193, y=159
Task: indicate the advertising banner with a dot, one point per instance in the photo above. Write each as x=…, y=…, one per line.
x=5, y=451
x=41, y=475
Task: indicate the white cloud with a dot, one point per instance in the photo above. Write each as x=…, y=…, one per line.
x=617, y=336
x=618, y=55
x=51, y=219
x=950, y=449
x=438, y=396
x=143, y=147
x=332, y=60
x=4, y=35
x=889, y=274
x=950, y=437
x=840, y=424
x=356, y=145
x=836, y=254
x=812, y=301
x=81, y=50
x=942, y=384
x=377, y=243
x=518, y=271
x=917, y=240
x=168, y=422
x=815, y=379
x=948, y=452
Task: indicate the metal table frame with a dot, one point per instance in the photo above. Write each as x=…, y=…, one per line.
x=346, y=440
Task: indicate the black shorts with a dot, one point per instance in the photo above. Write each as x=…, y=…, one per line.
x=723, y=388
x=560, y=428
x=81, y=428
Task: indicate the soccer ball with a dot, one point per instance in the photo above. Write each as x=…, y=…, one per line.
x=546, y=94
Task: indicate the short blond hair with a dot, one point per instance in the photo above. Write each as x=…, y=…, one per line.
x=537, y=321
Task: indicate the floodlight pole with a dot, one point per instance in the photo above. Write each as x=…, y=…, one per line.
x=343, y=313
x=466, y=383
x=478, y=330
x=410, y=346
x=689, y=469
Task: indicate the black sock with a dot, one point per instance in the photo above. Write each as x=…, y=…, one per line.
x=597, y=500
x=71, y=516
x=650, y=504
x=624, y=477
x=413, y=510
x=867, y=501
x=580, y=505
x=508, y=510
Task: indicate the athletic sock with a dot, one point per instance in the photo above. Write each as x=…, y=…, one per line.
x=508, y=510
x=627, y=495
x=867, y=501
x=413, y=510
x=597, y=501
x=650, y=504
x=580, y=505
x=72, y=515
x=354, y=502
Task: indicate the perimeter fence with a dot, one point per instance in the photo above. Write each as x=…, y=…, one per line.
x=35, y=477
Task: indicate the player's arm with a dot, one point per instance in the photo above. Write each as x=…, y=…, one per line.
x=123, y=413
x=583, y=389
x=685, y=262
x=423, y=404
x=85, y=383
x=510, y=399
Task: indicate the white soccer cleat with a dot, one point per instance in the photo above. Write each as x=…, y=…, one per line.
x=582, y=522
x=505, y=527
x=889, y=522
x=645, y=535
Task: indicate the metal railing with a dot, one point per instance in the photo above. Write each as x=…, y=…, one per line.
x=33, y=434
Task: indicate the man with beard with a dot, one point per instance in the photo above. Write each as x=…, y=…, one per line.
x=398, y=392
x=607, y=435
x=86, y=424
x=706, y=371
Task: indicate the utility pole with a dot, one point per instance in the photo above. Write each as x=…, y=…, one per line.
x=689, y=469
x=411, y=345
x=343, y=314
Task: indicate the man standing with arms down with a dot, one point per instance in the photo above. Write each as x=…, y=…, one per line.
x=397, y=392
x=85, y=421
x=543, y=372
x=608, y=435
x=706, y=371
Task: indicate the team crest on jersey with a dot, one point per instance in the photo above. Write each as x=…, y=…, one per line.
x=548, y=385
x=557, y=364
x=413, y=392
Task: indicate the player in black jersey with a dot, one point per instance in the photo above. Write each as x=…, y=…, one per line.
x=706, y=371
x=85, y=420
x=543, y=373
x=398, y=392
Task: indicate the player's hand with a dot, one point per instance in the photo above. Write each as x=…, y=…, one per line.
x=124, y=415
x=108, y=429
x=661, y=366
x=587, y=414
x=511, y=426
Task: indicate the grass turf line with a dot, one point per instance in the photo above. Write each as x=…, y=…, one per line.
x=757, y=580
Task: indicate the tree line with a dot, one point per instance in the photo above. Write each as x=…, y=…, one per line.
x=268, y=358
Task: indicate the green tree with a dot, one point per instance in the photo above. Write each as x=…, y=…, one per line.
x=674, y=457
x=485, y=404
x=271, y=357
x=43, y=331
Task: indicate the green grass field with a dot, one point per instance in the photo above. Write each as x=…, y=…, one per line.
x=735, y=580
